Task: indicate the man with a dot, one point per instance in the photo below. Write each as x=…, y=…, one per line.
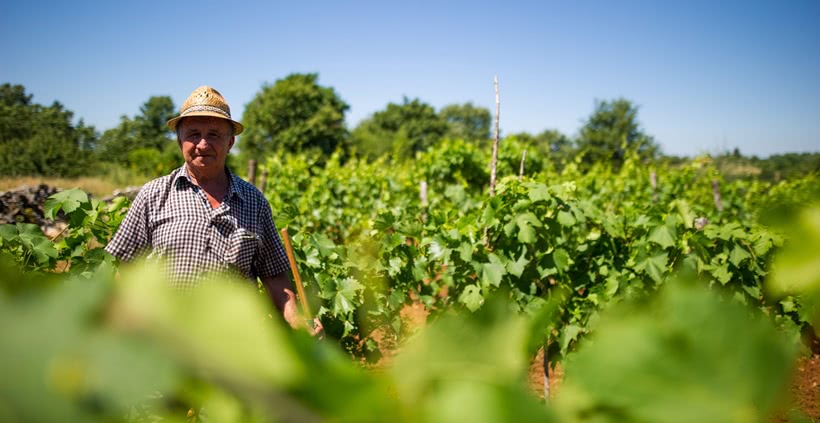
x=202, y=218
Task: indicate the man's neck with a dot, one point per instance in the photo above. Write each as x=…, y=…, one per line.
x=208, y=179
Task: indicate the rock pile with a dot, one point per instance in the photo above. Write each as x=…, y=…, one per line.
x=129, y=192
x=25, y=204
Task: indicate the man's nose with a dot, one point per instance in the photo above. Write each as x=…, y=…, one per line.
x=202, y=143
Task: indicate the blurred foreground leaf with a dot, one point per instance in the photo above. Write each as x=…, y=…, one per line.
x=686, y=356
x=796, y=269
x=469, y=368
x=220, y=328
x=59, y=364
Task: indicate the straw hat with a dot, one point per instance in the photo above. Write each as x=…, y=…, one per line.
x=205, y=101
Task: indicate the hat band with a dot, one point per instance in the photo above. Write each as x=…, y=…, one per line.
x=206, y=109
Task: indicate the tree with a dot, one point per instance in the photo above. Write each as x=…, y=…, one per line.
x=39, y=140
x=144, y=134
x=402, y=129
x=116, y=143
x=550, y=142
x=16, y=113
x=294, y=114
x=151, y=128
x=466, y=121
x=611, y=131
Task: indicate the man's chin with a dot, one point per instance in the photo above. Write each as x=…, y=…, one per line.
x=203, y=161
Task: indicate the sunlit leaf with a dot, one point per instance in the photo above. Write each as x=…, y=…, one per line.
x=662, y=236
x=493, y=271
x=654, y=266
x=561, y=258
x=68, y=200
x=471, y=297
x=516, y=268
x=737, y=255
x=565, y=218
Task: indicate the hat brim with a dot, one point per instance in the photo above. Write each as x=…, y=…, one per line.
x=237, y=127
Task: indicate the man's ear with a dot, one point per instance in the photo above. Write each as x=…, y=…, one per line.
x=230, y=143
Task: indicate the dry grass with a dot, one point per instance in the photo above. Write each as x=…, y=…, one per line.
x=98, y=186
x=739, y=170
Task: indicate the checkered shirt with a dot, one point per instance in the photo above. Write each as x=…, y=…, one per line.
x=172, y=219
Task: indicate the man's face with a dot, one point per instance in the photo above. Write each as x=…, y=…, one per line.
x=205, y=142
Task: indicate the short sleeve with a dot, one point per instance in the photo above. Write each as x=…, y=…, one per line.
x=272, y=259
x=132, y=236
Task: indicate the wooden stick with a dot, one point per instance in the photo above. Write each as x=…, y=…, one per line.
x=521, y=170
x=495, y=140
x=546, y=366
x=716, y=195
x=263, y=181
x=494, y=161
x=300, y=290
x=252, y=171
x=423, y=196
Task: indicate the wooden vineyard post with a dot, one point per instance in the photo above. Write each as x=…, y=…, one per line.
x=297, y=279
x=252, y=171
x=653, y=180
x=546, y=364
x=494, y=161
x=423, y=198
x=521, y=169
x=263, y=181
x=716, y=194
x=495, y=140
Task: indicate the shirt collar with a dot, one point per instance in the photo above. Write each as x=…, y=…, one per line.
x=181, y=174
x=233, y=185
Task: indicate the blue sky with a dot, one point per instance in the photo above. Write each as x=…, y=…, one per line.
x=708, y=76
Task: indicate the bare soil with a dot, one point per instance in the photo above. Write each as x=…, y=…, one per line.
x=804, y=393
x=805, y=390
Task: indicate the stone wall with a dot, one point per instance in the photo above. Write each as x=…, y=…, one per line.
x=25, y=204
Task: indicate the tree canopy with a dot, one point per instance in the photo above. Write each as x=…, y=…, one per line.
x=293, y=114
x=611, y=131
x=143, y=143
x=40, y=140
x=467, y=121
x=401, y=129
x=297, y=114
x=549, y=143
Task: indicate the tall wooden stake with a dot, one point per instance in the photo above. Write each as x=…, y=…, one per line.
x=546, y=365
x=521, y=169
x=263, y=181
x=252, y=171
x=495, y=139
x=423, y=197
x=653, y=180
x=297, y=279
x=716, y=194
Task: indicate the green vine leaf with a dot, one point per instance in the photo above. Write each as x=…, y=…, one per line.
x=662, y=236
x=471, y=297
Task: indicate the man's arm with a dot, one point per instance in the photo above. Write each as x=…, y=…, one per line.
x=132, y=236
x=283, y=298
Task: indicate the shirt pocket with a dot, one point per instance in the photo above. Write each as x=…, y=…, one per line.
x=242, y=248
